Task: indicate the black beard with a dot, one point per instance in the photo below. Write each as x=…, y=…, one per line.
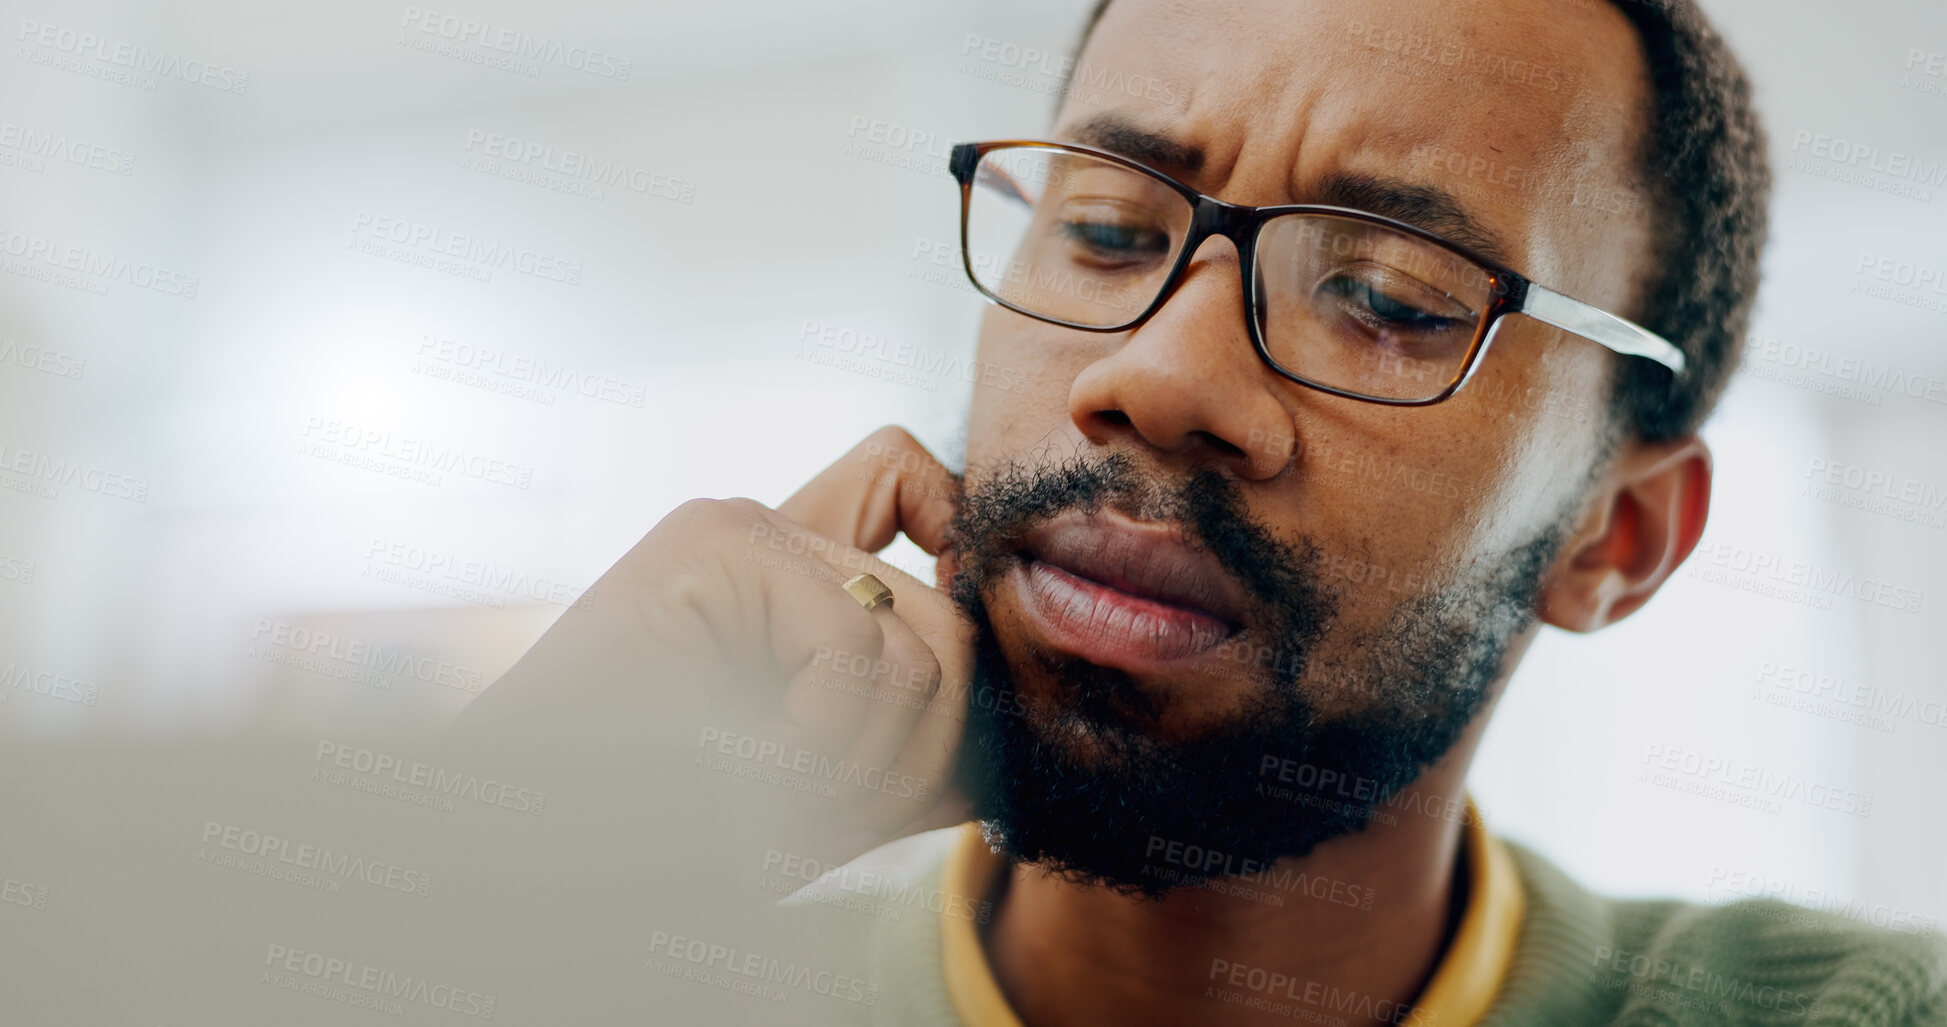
x=1085, y=785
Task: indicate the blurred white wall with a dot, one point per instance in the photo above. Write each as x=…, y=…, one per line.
x=248, y=482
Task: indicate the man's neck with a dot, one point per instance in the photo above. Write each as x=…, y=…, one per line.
x=1352, y=931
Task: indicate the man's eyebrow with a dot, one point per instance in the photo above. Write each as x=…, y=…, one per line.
x=1422, y=206
x=1120, y=136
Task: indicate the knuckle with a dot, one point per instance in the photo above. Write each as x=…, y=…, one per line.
x=892, y=435
x=715, y=518
x=692, y=515
x=911, y=665
x=740, y=509
x=954, y=636
x=895, y=448
x=671, y=537
x=929, y=675
x=691, y=552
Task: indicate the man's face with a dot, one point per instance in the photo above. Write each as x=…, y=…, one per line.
x=1184, y=565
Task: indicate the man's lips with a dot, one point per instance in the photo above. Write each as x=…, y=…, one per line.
x=1123, y=594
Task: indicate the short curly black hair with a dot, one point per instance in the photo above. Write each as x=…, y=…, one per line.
x=1704, y=161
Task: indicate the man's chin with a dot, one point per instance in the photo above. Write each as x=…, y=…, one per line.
x=1080, y=830
x=1074, y=778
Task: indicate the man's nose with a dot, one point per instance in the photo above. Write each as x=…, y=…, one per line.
x=1188, y=381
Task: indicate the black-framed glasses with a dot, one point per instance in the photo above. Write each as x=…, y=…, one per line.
x=1351, y=303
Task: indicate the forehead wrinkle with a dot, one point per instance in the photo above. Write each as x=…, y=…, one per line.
x=1276, y=112
x=1207, y=108
x=1424, y=204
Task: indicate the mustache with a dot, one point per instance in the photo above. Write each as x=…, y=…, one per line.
x=998, y=509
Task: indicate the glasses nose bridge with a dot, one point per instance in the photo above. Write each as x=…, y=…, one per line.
x=1215, y=217
x=1239, y=224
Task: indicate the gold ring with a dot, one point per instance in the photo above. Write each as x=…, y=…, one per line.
x=869, y=591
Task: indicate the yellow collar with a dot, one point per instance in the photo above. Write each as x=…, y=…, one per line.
x=1459, y=994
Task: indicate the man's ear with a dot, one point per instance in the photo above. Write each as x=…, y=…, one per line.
x=1645, y=517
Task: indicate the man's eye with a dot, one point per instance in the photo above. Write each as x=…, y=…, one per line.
x=1380, y=309
x=1116, y=239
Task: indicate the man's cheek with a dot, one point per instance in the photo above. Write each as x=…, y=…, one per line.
x=1020, y=408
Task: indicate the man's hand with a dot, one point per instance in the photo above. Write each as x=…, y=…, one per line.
x=736, y=610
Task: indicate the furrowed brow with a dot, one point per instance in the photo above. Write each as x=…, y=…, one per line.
x=1422, y=206
x=1119, y=135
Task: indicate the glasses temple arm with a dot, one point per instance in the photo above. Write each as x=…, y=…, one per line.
x=1598, y=325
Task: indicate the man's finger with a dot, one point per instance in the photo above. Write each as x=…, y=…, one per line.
x=909, y=675
x=887, y=484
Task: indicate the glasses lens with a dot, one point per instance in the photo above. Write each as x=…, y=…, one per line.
x=1071, y=237
x=1365, y=308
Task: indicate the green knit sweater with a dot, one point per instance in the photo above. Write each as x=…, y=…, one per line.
x=1584, y=960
